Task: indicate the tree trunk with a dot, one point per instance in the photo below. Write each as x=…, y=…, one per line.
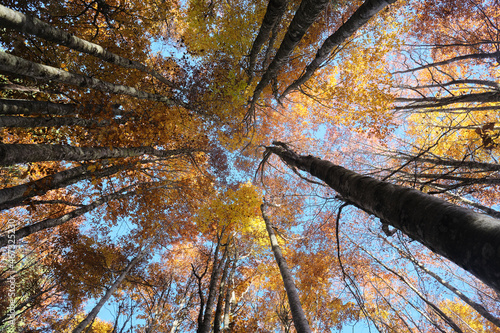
x=220, y=299
x=33, y=122
x=54, y=222
x=305, y=16
x=229, y=298
x=15, y=65
x=299, y=319
x=91, y=316
x=469, y=239
x=212, y=292
x=274, y=12
x=23, y=153
x=27, y=108
x=13, y=196
x=365, y=12
x=12, y=19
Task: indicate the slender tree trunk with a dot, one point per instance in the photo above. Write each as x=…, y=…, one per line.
x=12, y=19
x=212, y=292
x=364, y=13
x=23, y=153
x=299, y=319
x=274, y=12
x=229, y=298
x=13, y=196
x=476, y=306
x=50, y=223
x=427, y=102
x=109, y=292
x=33, y=122
x=469, y=239
x=493, y=55
x=28, y=108
x=15, y=65
x=220, y=299
x=305, y=16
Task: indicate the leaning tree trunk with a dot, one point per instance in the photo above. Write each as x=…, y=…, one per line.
x=42, y=108
x=274, y=12
x=299, y=318
x=305, y=16
x=109, y=292
x=23, y=153
x=12, y=19
x=469, y=239
x=366, y=11
x=18, y=66
x=54, y=222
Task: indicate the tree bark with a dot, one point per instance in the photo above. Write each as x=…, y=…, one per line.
x=54, y=222
x=15, y=65
x=23, y=153
x=274, y=12
x=13, y=196
x=364, y=13
x=220, y=299
x=12, y=19
x=212, y=292
x=34, y=122
x=28, y=108
x=469, y=239
x=305, y=16
x=299, y=319
x=109, y=292
x=431, y=102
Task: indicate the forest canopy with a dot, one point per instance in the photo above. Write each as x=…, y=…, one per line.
x=249, y=166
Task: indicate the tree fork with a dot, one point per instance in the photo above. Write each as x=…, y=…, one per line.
x=469, y=239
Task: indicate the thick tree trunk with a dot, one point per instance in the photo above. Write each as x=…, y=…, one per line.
x=23, y=153
x=299, y=319
x=274, y=12
x=109, y=292
x=12, y=19
x=15, y=65
x=305, y=16
x=13, y=196
x=364, y=13
x=54, y=222
x=469, y=239
x=28, y=108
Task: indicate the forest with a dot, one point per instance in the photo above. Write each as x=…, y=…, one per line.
x=250, y=166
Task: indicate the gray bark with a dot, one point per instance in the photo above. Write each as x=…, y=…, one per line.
x=34, y=122
x=13, y=196
x=364, y=13
x=299, y=318
x=431, y=102
x=274, y=12
x=27, y=107
x=12, y=19
x=212, y=291
x=109, y=292
x=50, y=223
x=305, y=16
x=469, y=239
x=15, y=65
x=23, y=153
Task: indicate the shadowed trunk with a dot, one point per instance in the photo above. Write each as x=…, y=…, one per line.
x=365, y=12
x=12, y=19
x=274, y=12
x=23, y=153
x=18, y=66
x=27, y=107
x=305, y=16
x=469, y=239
